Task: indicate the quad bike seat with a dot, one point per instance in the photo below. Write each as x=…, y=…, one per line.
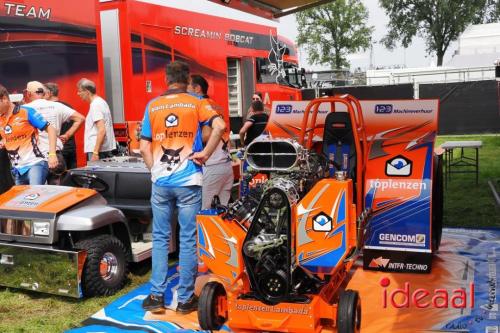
x=125, y=186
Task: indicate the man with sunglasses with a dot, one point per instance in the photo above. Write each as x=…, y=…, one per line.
x=56, y=114
x=19, y=127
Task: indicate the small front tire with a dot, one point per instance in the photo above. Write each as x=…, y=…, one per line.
x=209, y=306
x=349, y=312
x=105, y=270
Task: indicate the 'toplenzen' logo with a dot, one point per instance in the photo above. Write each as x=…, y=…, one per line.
x=422, y=298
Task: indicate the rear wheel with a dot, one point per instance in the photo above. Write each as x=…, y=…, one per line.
x=437, y=203
x=212, y=306
x=105, y=269
x=349, y=312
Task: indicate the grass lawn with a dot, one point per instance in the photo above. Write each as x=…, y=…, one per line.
x=466, y=205
x=27, y=312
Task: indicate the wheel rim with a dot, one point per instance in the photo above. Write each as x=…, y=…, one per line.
x=108, y=267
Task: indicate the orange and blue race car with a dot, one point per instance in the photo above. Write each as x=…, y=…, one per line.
x=338, y=173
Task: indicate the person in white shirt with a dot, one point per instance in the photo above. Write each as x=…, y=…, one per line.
x=99, y=135
x=56, y=114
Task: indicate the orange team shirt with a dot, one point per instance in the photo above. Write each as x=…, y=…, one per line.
x=172, y=122
x=20, y=134
x=221, y=153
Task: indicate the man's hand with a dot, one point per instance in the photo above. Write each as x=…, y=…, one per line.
x=200, y=157
x=95, y=157
x=53, y=162
x=64, y=138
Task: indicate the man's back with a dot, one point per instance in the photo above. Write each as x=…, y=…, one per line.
x=56, y=114
x=172, y=122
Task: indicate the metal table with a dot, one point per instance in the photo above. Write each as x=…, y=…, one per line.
x=461, y=164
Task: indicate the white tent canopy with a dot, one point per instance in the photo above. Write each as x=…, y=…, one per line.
x=271, y=8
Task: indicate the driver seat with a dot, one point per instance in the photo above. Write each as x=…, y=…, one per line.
x=338, y=144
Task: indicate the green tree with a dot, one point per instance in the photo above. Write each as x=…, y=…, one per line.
x=332, y=31
x=439, y=22
x=490, y=13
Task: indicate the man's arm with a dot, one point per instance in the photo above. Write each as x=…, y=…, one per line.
x=53, y=162
x=244, y=130
x=101, y=133
x=218, y=128
x=78, y=120
x=146, y=152
x=206, y=131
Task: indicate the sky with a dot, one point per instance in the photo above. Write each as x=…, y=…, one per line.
x=414, y=56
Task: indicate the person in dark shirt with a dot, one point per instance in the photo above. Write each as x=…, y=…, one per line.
x=69, y=148
x=255, y=124
x=6, y=181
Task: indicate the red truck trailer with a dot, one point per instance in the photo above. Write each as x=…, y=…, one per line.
x=124, y=46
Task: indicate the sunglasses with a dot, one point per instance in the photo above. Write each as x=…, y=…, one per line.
x=38, y=91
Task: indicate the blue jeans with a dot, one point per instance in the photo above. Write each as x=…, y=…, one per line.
x=188, y=202
x=36, y=175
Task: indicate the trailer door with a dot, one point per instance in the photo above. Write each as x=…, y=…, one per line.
x=157, y=52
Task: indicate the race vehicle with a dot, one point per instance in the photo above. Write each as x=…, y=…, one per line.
x=280, y=266
x=279, y=257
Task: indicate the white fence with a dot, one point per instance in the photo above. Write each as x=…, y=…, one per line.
x=435, y=75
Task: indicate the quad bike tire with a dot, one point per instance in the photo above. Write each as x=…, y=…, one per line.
x=208, y=306
x=105, y=269
x=437, y=203
x=349, y=312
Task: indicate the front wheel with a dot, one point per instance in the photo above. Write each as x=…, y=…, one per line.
x=105, y=269
x=212, y=306
x=349, y=312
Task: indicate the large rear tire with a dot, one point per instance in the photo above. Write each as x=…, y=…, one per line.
x=209, y=316
x=437, y=203
x=349, y=312
x=105, y=269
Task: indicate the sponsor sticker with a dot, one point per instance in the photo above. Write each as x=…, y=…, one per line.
x=283, y=108
x=390, y=184
x=383, y=108
x=391, y=264
x=322, y=222
x=398, y=166
x=32, y=196
x=401, y=239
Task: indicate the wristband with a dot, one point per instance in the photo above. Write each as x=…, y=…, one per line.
x=52, y=154
x=94, y=153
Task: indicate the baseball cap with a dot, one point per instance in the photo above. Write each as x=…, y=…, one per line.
x=35, y=87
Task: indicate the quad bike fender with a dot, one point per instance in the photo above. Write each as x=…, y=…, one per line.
x=89, y=218
x=220, y=244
